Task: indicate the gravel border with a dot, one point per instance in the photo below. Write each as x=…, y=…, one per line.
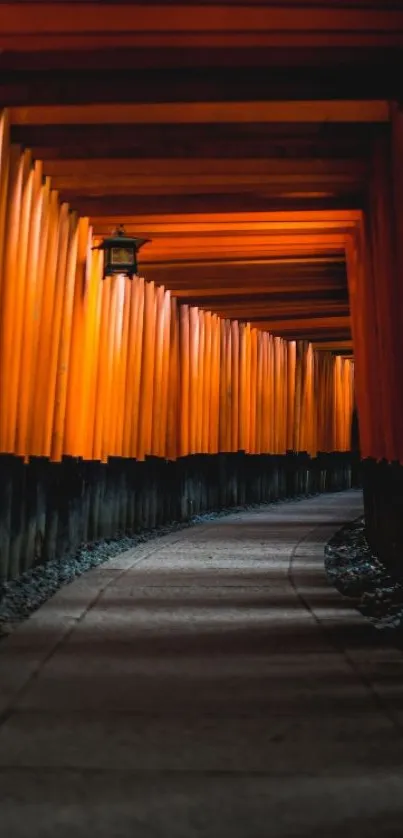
x=20, y=597
x=358, y=574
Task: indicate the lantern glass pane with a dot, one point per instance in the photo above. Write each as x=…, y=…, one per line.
x=122, y=256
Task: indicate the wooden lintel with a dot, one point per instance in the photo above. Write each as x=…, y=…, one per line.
x=203, y=112
x=91, y=25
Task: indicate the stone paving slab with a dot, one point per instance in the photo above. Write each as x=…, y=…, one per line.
x=209, y=683
x=275, y=745
x=146, y=804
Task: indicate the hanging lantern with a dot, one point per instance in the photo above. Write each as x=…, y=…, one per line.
x=120, y=253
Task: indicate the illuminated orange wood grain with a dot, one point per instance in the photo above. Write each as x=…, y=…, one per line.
x=291, y=361
x=242, y=386
x=215, y=385
x=108, y=370
x=349, y=405
x=184, y=402
x=162, y=450
x=44, y=327
x=200, y=384
x=133, y=379
x=64, y=344
x=173, y=436
x=147, y=370
x=306, y=393
x=194, y=337
x=223, y=388
x=77, y=362
x=284, y=377
x=247, y=409
x=93, y=342
x=158, y=372
x=304, y=417
x=253, y=392
x=309, y=424
x=129, y=383
x=37, y=316
x=117, y=398
x=259, y=393
x=4, y=183
x=207, y=384
x=99, y=367
x=101, y=372
x=297, y=396
x=235, y=385
x=267, y=393
x=50, y=370
x=17, y=310
x=33, y=282
x=91, y=305
x=228, y=386
x=270, y=393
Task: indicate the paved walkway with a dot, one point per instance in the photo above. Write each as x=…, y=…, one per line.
x=210, y=684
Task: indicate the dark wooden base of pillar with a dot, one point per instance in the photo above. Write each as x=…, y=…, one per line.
x=48, y=510
x=383, y=503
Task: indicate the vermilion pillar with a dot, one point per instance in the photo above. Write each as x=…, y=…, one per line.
x=375, y=267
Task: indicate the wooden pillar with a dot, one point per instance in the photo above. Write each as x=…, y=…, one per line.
x=184, y=398
x=173, y=431
x=147, y=373
x=375, y=272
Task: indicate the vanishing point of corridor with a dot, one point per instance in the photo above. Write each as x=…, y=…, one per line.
x=210, y=683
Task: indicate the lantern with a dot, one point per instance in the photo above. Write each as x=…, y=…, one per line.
x=120, y=253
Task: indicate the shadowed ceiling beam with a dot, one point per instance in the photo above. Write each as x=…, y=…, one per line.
x=72, y=78
x=273, y=311
x=319, y=324
x=329, y=345
x=202, y=141
x=91, y=25
x=260, y=295
x=167, y=167
x=268, y=189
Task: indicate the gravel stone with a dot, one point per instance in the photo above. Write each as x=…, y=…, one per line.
x=358, y=574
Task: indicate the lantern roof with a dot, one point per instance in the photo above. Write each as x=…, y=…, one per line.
x=119, y=238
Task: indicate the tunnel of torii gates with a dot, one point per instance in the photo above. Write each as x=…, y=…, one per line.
x=259, y=148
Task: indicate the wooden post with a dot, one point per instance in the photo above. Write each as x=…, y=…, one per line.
x=25, y=341
x=200, y=385
x=173, y=417
x=156, y=417
x=194, y=337
x=166, y=392
x=78, y=358
x=51, y=371
x=184, y=400
x=253, y=392
x=235, y=446
x=133, y=377
x=147, y=368
x=208, y=381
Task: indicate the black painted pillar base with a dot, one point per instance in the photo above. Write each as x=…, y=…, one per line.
x=48, y=510
x=383, y=505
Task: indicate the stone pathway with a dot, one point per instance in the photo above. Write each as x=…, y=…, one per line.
x=209, y=683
